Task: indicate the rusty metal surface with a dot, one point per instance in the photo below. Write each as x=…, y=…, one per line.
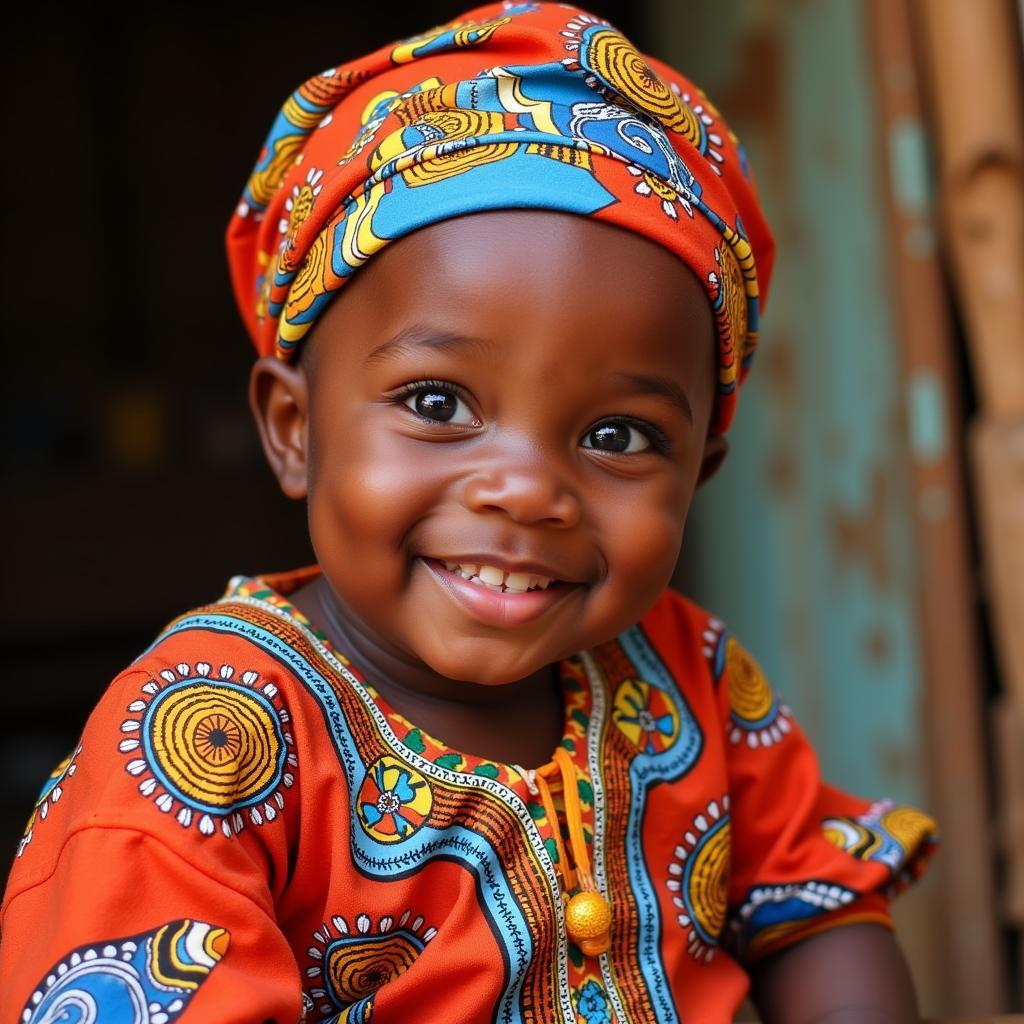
x=809, y=542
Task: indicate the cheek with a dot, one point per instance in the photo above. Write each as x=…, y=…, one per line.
x=641, y=542
x=364, y=501
x=645, y=546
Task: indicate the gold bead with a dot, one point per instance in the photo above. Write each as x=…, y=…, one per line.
x=588, y=920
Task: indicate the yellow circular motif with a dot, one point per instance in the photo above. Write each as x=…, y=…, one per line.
x=216, y=746
x=709, y=880
x=357, y=967
x=310, y=282
x=750, y=697
x=451, y=125
x=614, y=59
x=450, y=164
x=908, y=826
x=734, y=295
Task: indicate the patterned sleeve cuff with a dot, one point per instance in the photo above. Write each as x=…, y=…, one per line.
x=888, y=847
x=773, y=937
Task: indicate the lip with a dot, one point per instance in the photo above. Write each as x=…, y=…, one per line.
x=493, y=608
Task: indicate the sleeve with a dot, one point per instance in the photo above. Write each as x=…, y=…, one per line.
x=805, y=856
x=143, y=889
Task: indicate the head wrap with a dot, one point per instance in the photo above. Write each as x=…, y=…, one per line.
x=514, y=105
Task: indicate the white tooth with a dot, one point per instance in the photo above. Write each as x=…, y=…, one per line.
x=544, y=583
x=464, y=573
x=489, y=574
x=493, y=586
x=518, y=581
x=470, y=568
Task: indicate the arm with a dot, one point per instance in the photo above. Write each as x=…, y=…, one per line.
x=155, y=880
x=124, y=922
x=854, y=974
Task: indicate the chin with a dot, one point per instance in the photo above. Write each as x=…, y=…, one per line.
x=480, y=663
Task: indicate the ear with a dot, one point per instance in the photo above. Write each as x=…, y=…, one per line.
x=715, y=450
x=279, y=399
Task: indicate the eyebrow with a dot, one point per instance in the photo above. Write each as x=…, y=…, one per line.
x=665, y=387
x=419, y=336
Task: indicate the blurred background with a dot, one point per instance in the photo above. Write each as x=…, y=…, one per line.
x=866, y=537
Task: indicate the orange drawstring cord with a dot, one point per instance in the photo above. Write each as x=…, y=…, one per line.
x=540, y=783
x=588, y=916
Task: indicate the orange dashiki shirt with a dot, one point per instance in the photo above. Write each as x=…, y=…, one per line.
x=248, y=832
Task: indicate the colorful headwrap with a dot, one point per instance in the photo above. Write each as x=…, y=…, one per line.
x=527, y=105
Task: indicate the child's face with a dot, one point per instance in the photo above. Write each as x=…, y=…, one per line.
x=524, y=390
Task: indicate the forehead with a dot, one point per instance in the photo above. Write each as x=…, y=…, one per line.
x=571, y=287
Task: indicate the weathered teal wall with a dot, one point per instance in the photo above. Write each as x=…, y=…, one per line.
x=804, y=543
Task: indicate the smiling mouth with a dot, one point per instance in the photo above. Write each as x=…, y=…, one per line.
x=499, y=580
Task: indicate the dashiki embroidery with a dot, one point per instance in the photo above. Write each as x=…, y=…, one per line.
x=263, y=763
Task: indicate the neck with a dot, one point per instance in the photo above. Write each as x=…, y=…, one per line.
x=519, y=721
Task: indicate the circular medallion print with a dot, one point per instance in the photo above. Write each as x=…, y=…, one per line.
x=215, y=745
x=699, y=877
x=209, y=748
x=351, y=962
x=757, y=716
x=615, y=61
x=394, y=800
x=645, y=715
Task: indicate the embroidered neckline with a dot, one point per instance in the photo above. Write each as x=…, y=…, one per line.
x=273, y=589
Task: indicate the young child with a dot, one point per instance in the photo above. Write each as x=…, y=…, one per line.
x=477, y=764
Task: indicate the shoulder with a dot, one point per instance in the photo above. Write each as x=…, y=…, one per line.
x=685, y=635
x=193, y=745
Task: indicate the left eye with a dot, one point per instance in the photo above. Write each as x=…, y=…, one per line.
x=616, y=436
x=439, y=405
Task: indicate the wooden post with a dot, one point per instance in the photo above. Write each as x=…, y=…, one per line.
x=972, y=56
x=965, y=921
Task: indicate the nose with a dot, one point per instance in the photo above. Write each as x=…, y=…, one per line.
x=527, y=492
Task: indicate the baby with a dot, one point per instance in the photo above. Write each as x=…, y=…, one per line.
x=477, y=764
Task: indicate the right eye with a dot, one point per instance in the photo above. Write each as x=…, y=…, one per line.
x=438, y=404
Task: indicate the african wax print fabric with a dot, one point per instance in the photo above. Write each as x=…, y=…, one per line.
x=247, y=832
x=514, y=105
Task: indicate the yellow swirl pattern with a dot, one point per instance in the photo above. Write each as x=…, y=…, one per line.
x=908, y=826
x=450, y=164
x=750, y=696
x=216, y=745
x=709, y=881
x=183, y=953
x=427, y=166
x=463, y=34
x=264, y=183
x=734, y=297
x=853, y=837
x=623, y=68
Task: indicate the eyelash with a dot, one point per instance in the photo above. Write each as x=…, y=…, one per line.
x=408, y=390
x=660, y=442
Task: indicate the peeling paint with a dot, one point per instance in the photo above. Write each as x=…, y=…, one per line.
x=926, y=416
